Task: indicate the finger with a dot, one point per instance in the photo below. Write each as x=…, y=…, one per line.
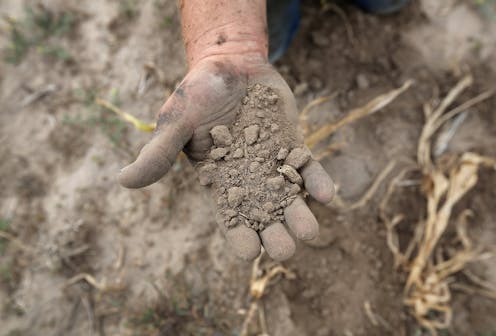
x=277, y=242
x=301, y=220
x=317, y=182
x=244, y=242
x=156, y=157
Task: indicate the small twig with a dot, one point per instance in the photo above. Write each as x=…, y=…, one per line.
x=369, y=194
x=120, y=257
x=333, y=147
x=480, y=282
x=464, y=107
x=102, y=286
x=306, y=110
x=37, y=95
x=138, y=124
x=15, y=241
x=262, y=319
x=243, y=215
x=473, y=290
x=65, y=330
x=76, y=251
x=90, y=313
x=349, y=28
x=375, y=318
x=371, y=107
x=249, y=317
x=370, y=314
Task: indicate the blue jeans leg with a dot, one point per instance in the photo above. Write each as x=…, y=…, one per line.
x=283, y=18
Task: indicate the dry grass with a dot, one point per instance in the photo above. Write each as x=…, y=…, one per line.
x=260, y=279
x=371, y=107
x=138, y=124
x=428, y=265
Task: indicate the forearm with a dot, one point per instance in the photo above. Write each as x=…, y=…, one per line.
x=224, y=27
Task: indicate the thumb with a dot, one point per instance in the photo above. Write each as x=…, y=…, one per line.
x=156, y=157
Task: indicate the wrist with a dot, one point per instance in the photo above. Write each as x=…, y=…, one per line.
x=214, y=28
x=228, y=41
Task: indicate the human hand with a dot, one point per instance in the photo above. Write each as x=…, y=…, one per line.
x=211, y=95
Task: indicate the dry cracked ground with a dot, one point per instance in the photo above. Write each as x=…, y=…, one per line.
x=80, y=255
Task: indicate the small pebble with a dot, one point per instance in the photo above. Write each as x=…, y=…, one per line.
x=251, y=134
x=268, y=206
x=238, y=153
x=235, y=196
x=221, y=201
x=282, y=154
x=274, y=128
x=218, y=153
x=264, y=135
x=221, y=136
x=254, y=166
x=275, y=183
x=205, y=173
x=259, y=159
x=272, y=99
x=298, y=157
x=362, y=81
x=260, y=114
x=264, y=153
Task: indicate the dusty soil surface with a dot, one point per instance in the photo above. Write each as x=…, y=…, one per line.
x=90, y=257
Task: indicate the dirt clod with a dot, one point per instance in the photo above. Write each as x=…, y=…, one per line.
x=251, y=134
x=298, y=157
x=238, y=153
x=221, y=136
x=252, y=184
x=205, y=173
x=234, y=196
x=275, y=183
x=282, y=154
x=218, y=153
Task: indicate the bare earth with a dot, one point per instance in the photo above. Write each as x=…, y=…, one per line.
x=92, y=258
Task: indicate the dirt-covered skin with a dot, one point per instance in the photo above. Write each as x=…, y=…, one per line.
x=252, y=165
x=212, y=95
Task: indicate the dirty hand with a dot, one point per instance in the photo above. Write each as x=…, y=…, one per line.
x=209, y=96
x=226, y=54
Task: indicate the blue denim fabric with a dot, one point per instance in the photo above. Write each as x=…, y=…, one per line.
x=283, y=18
x=380, y=6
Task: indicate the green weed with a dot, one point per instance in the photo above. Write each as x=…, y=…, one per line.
x=487, y=8
x=6, y=273
x=129, y=8
x=4, y=225
x=166, y=22
x=34, y=30
x=180, y=313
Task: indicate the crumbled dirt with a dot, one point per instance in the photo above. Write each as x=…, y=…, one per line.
x=251, y=176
